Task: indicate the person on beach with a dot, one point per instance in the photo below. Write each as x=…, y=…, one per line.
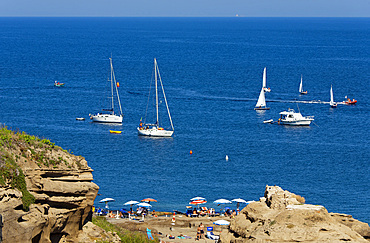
x=201, y=231
x=198, y=233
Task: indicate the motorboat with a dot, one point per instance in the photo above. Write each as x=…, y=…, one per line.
x=350, y=102
x=293, y=118
x=57, y=84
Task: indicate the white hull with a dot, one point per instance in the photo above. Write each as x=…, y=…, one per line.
x=154, y=132
x=296, y=123
x=106, y=118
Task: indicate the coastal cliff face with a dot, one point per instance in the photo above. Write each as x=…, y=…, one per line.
x=281, y=216
x=46, y=193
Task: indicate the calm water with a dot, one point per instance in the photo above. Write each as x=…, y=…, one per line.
x=212, y=72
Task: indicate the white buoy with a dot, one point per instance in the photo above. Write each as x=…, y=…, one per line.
x=227, y=158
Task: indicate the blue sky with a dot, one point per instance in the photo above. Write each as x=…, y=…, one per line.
x=187, y=8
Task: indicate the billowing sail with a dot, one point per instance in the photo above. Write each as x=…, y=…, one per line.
x=261, y=100
x=264, y=78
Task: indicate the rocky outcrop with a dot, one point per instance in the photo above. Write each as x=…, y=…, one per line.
x=60, y=189
x=281, y=216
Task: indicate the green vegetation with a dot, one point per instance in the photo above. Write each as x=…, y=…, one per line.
x=272, y=223
x=124, y=235
x=18, y=146
x=10, y=172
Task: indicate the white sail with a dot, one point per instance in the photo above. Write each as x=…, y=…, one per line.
x=264, y=78
x=301, y=86
x=261, y=103
x=332, y=103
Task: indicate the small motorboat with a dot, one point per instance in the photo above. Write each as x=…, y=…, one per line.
x=293, y=118
x=80, y=119
x=350, y=102
x=115, y=132
x=57, y=84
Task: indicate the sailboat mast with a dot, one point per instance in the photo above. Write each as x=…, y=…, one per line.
x=165, y=100
x=156, y=90
x=116, y=86
x=111, y=82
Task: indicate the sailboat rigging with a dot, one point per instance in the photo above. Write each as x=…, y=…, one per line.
x=154, y=129
x=108, y=115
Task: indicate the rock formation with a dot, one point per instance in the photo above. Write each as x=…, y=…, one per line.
x=281, y=216
x=46, y=193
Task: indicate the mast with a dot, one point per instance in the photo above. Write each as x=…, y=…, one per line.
x=156, y=90
x=165, y=100
x=115, y=84
x=111, y=82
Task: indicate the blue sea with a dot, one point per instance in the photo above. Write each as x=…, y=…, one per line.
x=211, y=69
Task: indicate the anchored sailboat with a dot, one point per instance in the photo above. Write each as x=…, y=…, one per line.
x=261, y=103
x=332, y=103
x=154, y=129
x=109, y=116
x=264, y=82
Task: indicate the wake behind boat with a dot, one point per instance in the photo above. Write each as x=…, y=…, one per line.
x=108, y=115
x=154, y=129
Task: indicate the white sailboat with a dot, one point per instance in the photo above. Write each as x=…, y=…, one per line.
x=261, y=103
x=332, y=103
x=264, y=82
x=108, y=115
x=154, y=129
x=301, y=87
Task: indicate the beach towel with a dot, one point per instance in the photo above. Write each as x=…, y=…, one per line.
x=149, y=233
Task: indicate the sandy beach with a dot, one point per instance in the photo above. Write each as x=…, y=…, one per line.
x=162, y=226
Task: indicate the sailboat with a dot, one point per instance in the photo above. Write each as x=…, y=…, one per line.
x=301, y=87
x=108, y=115
x=261, y=103
x=332, y=103
x=264, y=82
x=154, y=129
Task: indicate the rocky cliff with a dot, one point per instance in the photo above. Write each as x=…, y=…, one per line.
x=46, y=193
x=281, y=216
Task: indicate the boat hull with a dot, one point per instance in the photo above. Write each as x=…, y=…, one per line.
x=154, y=132
x=116, y=132
x=106, y=118
x=295, y=123
x=261, y=108
x=303, y=92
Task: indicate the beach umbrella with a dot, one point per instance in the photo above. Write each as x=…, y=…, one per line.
x=197, y=202
x=221, y=222
x=197, y=198
x=248, y=202
x=106, y=200
x=148, y=200
x=144, y=205
x=222, y=201
x=239, y=200
x=131, y=203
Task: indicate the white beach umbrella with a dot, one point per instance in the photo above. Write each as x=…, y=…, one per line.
x=222, y=201
x=239, y=200
x=106, y=200
x=248, y=202
x=221, y=222
x=197, y=198
x=132, y=202
x=144, y=205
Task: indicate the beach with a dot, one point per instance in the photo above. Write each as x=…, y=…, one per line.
x=162, y=226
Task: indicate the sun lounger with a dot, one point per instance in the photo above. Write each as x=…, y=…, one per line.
x=211, y=236
x=149, y=233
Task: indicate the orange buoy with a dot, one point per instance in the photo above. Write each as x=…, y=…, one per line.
x=191, y=151
x=118, y=84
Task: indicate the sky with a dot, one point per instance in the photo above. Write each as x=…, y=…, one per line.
x=185, y=8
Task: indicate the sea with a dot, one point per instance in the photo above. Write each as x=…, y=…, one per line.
x=211, y=69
